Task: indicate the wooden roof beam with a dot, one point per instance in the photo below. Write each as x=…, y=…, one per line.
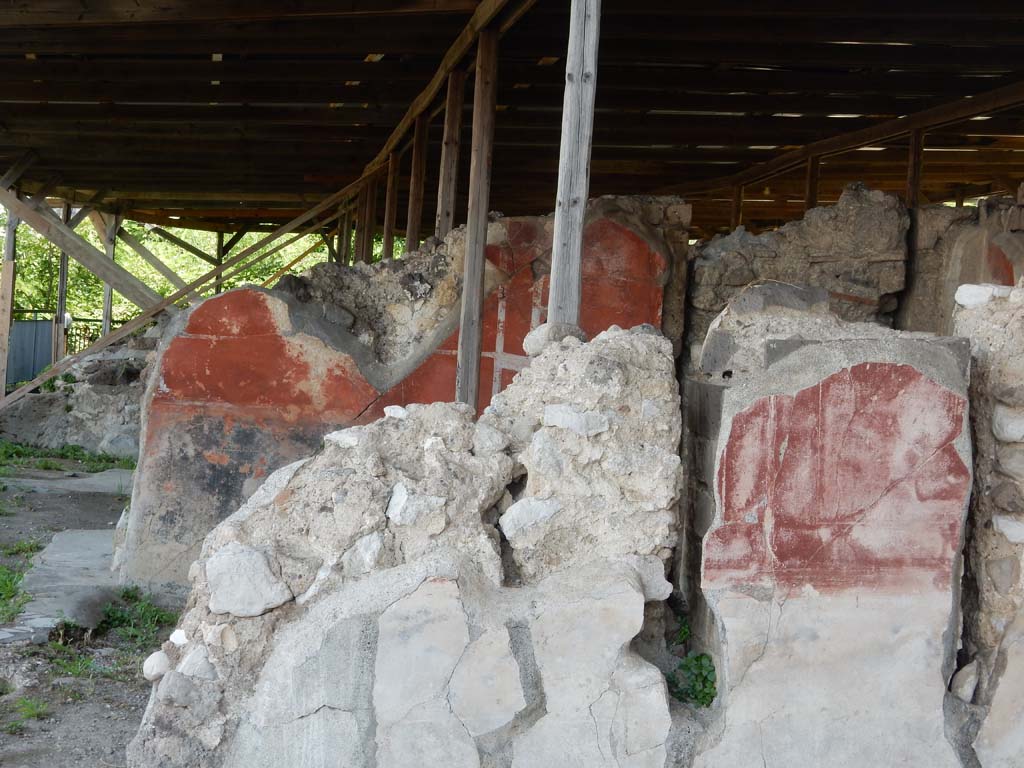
x=43, y=13
x=954, y=112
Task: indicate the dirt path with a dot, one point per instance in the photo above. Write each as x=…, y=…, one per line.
x=59, y=708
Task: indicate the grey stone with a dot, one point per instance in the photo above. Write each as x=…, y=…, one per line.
x=241, y=582
x=1008, y=423
x=964, y=682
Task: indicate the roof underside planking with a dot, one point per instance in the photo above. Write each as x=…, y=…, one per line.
x=219, y=114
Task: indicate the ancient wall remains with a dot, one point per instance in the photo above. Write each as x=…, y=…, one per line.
x=832, y=480
x=250, y=380
x=958, y=246
x=96, y=404
x=433, y=590
x=990, y=680
x=856, y=250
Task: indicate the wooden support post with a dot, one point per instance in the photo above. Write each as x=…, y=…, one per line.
x=110, y=240
x=7, y=292
x=391, y=206
x=235, y=239
x=53, y=229
x=366, y=227
x=345, y=236
x=736, y=215
x=959, y=197
x=449, y=176
x=184, y=245
x=218, y=282
x=60, y=330
x=154, y=261
x=574, y=162
x=332, y=255
x=357, y=246
x=417, y=179
x=467, y=377
x=811, y=183
x=914, y=163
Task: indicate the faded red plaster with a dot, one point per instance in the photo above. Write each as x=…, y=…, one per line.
x=1000, y=268
x=852, y=483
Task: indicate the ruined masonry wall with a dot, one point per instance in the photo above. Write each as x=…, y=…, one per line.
x=833, y=484
x=959, y=246
x=251, y=380
x=433, y=590
x=991, y=675
x=856, y=250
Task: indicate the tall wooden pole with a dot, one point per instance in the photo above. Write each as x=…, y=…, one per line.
x=811, y=183
x=736, y=214
x=59, y=327
x=7, y=292
x=110, y=240
x=467, y=377
x=416, y=183
x=345, y=235
x=391, y=206
x=914, y=163
x=574, y=162
x=371, y=220
x=360, y=224
x=449, y=176
x=218, y=283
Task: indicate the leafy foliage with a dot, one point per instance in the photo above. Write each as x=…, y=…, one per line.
x=694, y=680
x=136, y=619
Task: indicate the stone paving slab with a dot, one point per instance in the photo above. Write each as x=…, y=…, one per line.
x=69, y=580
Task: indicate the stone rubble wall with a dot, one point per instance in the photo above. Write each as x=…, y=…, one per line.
x=99, y=410
x=251, y=380
x=855, y=249
x=832, y=475
x=959, y=246
x=990, y=680
x=430, y=589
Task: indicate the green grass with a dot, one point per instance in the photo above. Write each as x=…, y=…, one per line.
x=5, y=687
x=14, y=727
x=70, y=661
x=31, y=709
x=12, y=599
x=24, y=548
x=18, y=455
x=135, y=619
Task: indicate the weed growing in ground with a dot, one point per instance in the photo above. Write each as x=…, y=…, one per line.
x=694, y=680
x=23, y=548
x=49, y=465
x=69, y=660
x=5, y=512
x=136, y=619
x=12, y=599
x=5, y=687
x=31, y=709
x=14, y=727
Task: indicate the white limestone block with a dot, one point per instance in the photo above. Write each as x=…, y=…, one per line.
x=241, y=582
x=155, y=666
x=485, y=692
x=1011, y=527
x=527, y=513
x=1008, y=423
x=583, y=423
